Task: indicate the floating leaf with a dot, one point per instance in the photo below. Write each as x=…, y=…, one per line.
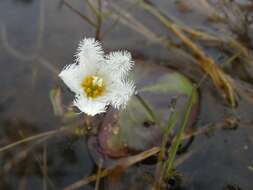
x=134, y=129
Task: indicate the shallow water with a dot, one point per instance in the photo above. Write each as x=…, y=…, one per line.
x=50, y=31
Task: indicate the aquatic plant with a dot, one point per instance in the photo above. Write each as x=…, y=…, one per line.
x=98, y=80
x=145, y=145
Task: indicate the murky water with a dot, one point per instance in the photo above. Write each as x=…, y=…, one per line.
x=45, y=34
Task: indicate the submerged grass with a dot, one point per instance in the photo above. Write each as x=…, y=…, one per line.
x=121, y=164
x=207, y=63
x=99, y=174
x=44, y=136
x=84, y=17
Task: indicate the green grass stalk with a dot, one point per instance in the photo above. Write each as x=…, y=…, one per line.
x=178, y=138
x=147, y=108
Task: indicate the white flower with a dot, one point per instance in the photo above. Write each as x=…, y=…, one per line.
x=99, y=80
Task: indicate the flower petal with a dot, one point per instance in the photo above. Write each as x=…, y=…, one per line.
x=113, y=69
x=121, y=93
x=89, y=53
x=72, y=75
x=90, y=107
x=119, y=63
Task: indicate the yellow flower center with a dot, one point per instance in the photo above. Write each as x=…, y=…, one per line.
x=93, y=86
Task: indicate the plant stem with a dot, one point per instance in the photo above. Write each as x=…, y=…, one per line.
x=178, y=138
x=99, y=21
x=92, y=8
x=147, y=108
x=159, y=167
x=121, y=163
x=86, y=18
x=35, y=137
x=170, y=125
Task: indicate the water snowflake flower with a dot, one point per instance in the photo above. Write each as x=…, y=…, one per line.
x=99, y=80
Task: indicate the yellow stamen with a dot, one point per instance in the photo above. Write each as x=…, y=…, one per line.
x=93, y=86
